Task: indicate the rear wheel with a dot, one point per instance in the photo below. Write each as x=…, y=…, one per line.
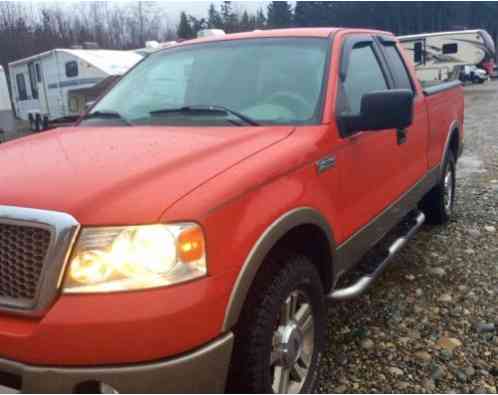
x=438, y=203
x=280, y=336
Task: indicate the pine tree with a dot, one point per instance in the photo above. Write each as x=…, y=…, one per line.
x=260, y=19
x=230, y=19
x=215, y=21
x=245, y=24
x=184, y=29
x=279, y=14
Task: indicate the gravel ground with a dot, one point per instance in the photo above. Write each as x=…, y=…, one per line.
x=430, y=324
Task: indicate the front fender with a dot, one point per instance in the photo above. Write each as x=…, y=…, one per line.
x=288, y=221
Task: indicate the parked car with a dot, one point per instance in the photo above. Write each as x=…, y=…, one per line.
x=473, y=74
x=188, y=239
x=494, y=73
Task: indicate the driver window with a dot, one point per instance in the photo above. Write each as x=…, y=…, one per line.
x=364, y=75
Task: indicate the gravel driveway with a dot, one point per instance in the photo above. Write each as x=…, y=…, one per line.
x=430, y=323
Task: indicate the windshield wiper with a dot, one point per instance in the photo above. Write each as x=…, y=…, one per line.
x=203, y=109
x=107, y=114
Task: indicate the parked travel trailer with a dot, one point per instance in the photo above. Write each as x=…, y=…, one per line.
x=7, y=121
x=41, y=84
x=437, y=55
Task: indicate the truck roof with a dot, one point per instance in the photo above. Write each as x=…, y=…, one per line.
x=292, y=32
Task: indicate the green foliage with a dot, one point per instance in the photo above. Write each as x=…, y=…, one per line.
x=215, y=21
x=279, y=14
x=185, y=30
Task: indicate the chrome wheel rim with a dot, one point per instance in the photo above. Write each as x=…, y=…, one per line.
x=292, y=345
x=448, y=190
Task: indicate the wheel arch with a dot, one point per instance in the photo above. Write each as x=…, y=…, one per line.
x=284, y=229
x=452, y=143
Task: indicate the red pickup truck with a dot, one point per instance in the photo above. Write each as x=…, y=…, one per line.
x=188, y=232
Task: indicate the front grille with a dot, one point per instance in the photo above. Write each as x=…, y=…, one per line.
x=33, y=249
x=22, y=253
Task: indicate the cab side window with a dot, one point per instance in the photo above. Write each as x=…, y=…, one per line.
x=364, y=75
x=398, y=68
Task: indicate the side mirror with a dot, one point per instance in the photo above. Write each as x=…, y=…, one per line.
x=380, y=110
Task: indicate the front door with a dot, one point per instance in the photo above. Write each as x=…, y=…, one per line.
x=370, y=163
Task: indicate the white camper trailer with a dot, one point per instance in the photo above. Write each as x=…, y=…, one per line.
x=7, y=121
x=41, y=84
x=440, y=56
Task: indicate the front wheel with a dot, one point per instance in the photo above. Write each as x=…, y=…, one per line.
x=280, y=336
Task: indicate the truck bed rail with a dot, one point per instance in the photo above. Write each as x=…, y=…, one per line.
x=444, y=86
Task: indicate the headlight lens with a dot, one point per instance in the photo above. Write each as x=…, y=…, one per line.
x=135, y=257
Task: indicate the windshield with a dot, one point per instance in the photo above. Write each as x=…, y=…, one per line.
x=268, y=81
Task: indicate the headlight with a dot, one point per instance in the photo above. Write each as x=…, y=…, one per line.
x=135, y=257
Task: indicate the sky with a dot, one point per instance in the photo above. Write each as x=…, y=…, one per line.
x=199, y=8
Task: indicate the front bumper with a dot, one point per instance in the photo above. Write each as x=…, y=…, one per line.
x=203, y=370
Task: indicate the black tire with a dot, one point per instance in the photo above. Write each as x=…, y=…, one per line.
x=281, y=277
x=38, y=123
x=436, y=205
x=32, y=125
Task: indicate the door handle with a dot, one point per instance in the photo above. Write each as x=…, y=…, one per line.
x=401, y=136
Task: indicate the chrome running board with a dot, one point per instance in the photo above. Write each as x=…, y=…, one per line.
x=361, y=285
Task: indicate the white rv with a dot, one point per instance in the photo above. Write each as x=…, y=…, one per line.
x=7, y=121
x=41, y=84
x=154, y=46
x=440, y=56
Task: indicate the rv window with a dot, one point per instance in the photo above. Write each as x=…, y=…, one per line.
x=21, y=87
x=450, y=48
x=72, y=69
x=38, y=72
x=418, y=53
x=401, y=77
x=32, y=80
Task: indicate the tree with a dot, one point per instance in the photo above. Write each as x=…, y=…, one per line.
x=215, y=21
x=260, y=19
x=279, y=14
x=197, y=24
x=184, y=29
x=230, y=18
x=314, y=13
x=245, y=23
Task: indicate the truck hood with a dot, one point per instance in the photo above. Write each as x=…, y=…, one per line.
x=122, y=175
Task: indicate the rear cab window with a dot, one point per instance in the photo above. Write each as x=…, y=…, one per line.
x=396, y=64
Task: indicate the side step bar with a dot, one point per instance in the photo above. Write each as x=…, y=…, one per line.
x=360, y=286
